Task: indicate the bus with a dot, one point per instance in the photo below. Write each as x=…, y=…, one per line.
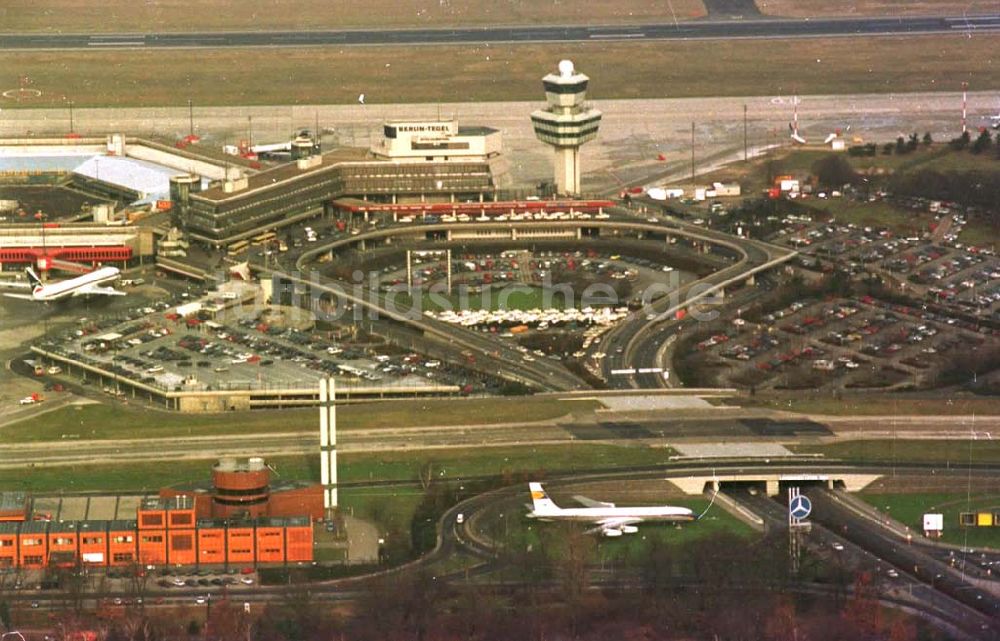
x=263, y=239
x=238, y=247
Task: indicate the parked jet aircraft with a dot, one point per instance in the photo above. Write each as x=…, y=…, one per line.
x=610, y=521
x=86, y=285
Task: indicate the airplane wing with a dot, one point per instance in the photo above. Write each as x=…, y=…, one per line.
x=97, y=290
x=587, y=502
x=20, y=296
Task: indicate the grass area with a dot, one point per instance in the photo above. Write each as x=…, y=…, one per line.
x=116, y=422
x=81, y=16
x=500, y=72
x=445, y=464
x=878, y=406
x=847, y=8
x=954, y=454
x=796, y=160
x=391, y=508
x=715, y=521
x=910, y=508
x=877, y=214
x=979, y=234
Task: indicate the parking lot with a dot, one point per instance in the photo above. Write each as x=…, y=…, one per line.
x=837, y=343
x=171, y=351
x=931, y=266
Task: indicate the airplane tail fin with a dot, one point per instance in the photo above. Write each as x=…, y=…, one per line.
x=541, y=501
x=33, y=277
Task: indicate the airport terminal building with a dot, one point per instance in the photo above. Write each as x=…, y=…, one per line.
x=435, y=161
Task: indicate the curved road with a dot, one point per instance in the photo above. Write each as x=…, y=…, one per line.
x=707, y=29
x=753, y=256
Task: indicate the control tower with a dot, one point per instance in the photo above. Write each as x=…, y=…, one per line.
x=566, y=123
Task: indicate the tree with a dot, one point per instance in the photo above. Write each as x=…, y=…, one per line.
x=887, y=149
x=927, y=139
x=571, y=550
x=911, y=144
x=961, y=142
x=983, y=142
x=901, y=146
x=834, y=171
x=227, y=622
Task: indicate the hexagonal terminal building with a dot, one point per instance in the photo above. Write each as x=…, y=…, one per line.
x=566, y=123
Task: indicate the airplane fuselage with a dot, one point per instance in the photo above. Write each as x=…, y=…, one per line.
x=74, y=286
x=592, y=514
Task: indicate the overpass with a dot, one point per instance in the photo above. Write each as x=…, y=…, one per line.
x=542, y=375
x=771, y=482
x=751, y=258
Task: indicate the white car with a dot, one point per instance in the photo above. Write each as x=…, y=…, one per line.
x=27, y=400
x=836, y=545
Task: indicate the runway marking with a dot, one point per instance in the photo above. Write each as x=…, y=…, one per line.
x=116, y=44
x=611, y=36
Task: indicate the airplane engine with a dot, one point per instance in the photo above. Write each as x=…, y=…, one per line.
x=629, y=529
x=612, y=533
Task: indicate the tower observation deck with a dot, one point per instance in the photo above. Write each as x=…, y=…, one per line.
x=566, y=123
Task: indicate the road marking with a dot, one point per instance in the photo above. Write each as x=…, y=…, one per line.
x=622, y=372
x=613, y=36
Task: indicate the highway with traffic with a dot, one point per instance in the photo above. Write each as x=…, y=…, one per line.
x=904, y=576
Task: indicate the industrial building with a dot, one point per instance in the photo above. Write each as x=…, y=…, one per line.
x=242, y=519
x=246, y=489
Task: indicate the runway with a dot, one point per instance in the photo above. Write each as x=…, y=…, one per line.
x=693, y=30
x=641, y=429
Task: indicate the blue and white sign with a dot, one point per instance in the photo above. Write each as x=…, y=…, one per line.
x=800, y=507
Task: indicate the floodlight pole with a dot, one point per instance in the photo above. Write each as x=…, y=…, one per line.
x=692, y=153
x=746, y=156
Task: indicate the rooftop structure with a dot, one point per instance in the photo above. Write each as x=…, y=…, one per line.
x=566, y=123
x=435, y=141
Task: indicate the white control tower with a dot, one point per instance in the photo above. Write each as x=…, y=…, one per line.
x=566, y=123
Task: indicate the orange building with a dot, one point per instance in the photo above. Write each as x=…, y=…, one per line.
x=63, y=540
x=8, y=545
x=240, y=544
x=298, y=539
x=211, y=542
x=263, y=523
x=270, y=540
x=33, y=544
x=122, y=542
x=93, y=536
x=245, y=490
